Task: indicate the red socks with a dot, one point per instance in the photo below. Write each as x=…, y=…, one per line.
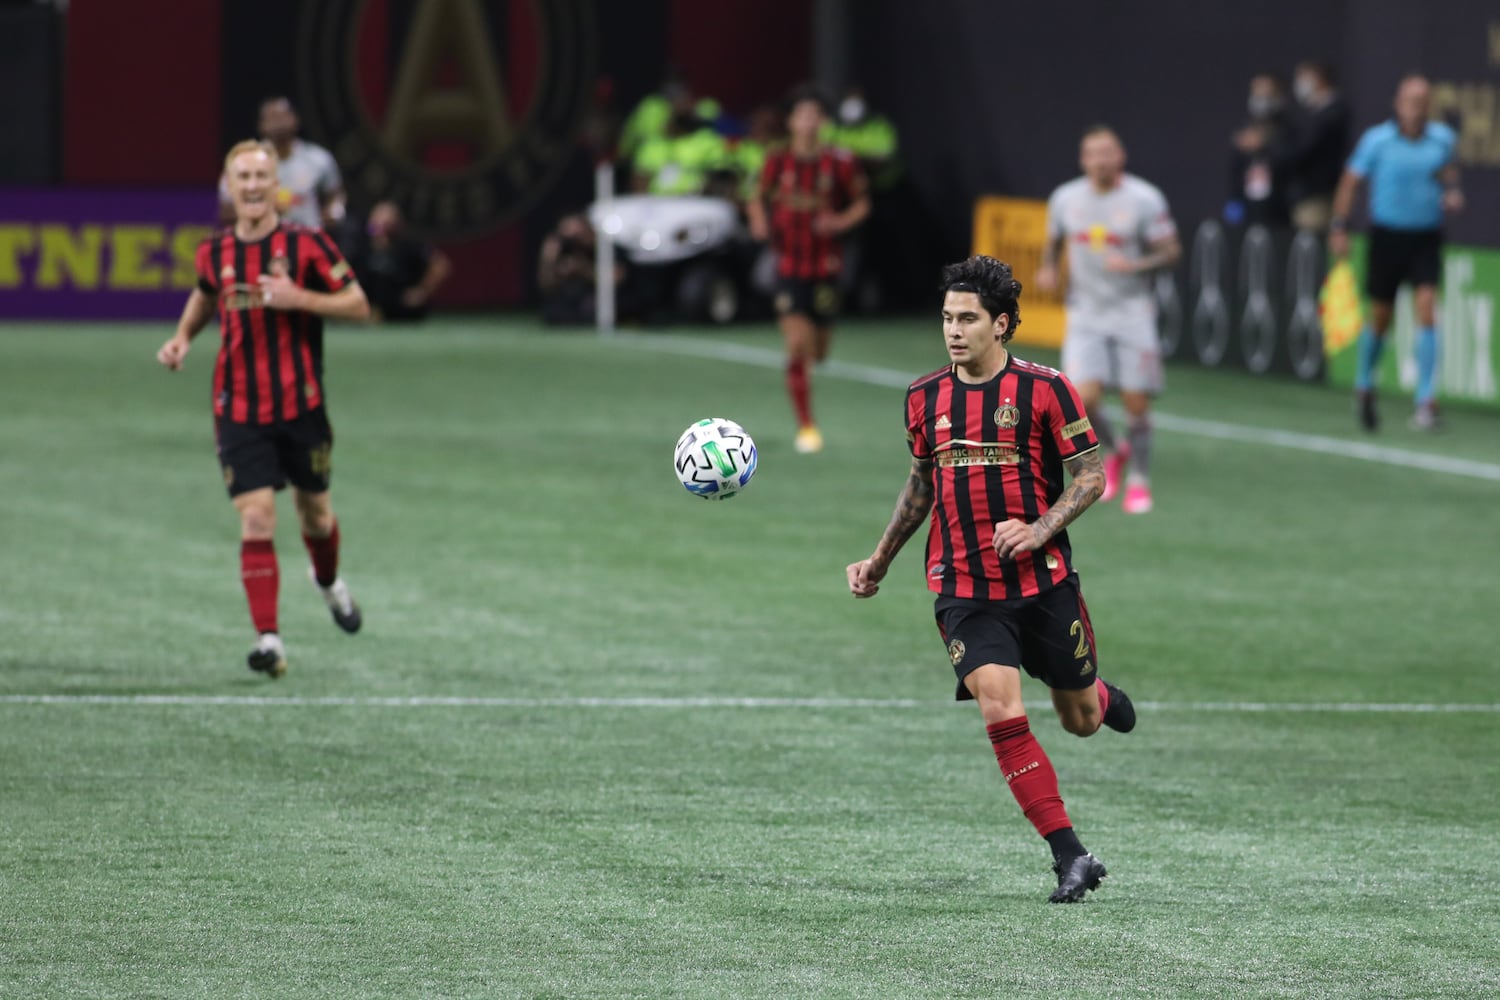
x=325, y=556
x=1029, y=774
x=799, y=388
x=261, y=578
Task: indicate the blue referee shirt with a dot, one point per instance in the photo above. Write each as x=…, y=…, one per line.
x=1405, y=189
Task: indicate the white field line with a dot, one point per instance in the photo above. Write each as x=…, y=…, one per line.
x=437, y=701
x=892, y=379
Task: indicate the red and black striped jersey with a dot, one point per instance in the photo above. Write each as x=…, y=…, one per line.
x=799, y=191
x=997, y=450
x=270, y=365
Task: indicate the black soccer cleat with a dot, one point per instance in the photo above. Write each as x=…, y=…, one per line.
x=268, y=656
x=1076, y=878
x=1369, y=417
x=1121, y=714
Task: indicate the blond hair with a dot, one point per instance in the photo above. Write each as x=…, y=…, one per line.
x=250, y=146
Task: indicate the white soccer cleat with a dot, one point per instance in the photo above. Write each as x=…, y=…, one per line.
x=268, y=656
x=341, y=605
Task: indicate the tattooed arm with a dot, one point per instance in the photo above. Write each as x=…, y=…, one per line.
x=1015, y=537
x=912, y=508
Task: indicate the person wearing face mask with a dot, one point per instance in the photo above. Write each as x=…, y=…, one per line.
x=400, y=273
x=1257, y=176
x=1320, y=142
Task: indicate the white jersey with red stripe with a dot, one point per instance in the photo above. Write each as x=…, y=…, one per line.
x=1096, y=225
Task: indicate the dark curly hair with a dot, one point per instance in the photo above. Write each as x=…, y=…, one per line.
x=990, y=279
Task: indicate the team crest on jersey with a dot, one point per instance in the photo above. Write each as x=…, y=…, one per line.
x=279, y=265
x=226, y=276
x=956, y=651
x=1051, y=561
x=1007, y=416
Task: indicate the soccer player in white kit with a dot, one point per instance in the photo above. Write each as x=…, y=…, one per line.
x=1117, y=230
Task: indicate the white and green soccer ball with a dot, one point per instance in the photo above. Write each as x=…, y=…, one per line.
x=714, y=458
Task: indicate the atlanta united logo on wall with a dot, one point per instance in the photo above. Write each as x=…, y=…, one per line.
x=463, y=112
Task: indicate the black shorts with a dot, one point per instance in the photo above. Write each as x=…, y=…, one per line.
x=255, y=456
x=1402, y=256
x=1048, y=635
x=815, y=298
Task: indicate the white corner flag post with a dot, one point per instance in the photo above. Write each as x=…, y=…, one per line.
x=604, y=249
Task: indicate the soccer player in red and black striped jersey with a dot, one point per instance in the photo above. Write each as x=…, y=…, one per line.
x=992, y=438
x=815, y=193
x=272, y=285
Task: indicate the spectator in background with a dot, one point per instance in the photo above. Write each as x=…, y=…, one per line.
x=869, y=136
x=565, y=272
x=1320, y=142
x=650, y=118
x=682, y=158
x=399, y=273
x=767, y=131
x=312, y=192
x=1257, y=175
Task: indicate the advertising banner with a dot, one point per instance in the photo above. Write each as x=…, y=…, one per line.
x=88, y=254
x=1469, y=352
x=1015, y=230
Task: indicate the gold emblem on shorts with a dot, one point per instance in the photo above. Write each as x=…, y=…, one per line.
x=783, y=302
x=228, y=475
x=956, y=651
x=1007, y=416
x=320, y=460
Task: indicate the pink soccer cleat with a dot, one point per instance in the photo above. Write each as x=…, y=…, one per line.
x=1137, y=499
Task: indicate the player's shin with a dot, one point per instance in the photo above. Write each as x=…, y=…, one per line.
x=259, y=572
x=324, y=553
x=1427, y=359
x=1370, y=347
x=1029, y=773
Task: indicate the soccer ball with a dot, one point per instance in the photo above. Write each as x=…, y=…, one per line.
x=714, y=458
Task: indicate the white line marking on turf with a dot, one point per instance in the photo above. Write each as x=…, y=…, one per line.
x=434, y=701
x=890, y=378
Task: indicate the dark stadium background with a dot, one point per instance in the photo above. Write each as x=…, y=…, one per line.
x=988, y=97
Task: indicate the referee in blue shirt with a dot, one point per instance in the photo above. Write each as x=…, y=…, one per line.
x=1409, y=163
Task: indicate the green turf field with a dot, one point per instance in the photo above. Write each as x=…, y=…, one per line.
x=602, y=739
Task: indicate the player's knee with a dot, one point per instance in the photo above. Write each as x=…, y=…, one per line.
x=317, y=523
x=1082, y=722
x=257, y=521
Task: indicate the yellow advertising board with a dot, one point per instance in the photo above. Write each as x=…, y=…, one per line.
x=1015, y=230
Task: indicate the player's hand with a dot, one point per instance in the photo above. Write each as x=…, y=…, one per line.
x=759, y=231
x=1013, y=537
x=172, y=353
x=1338, y=244
x=1046, y=278
x=1118, y=263
x=414, y=296
x=280, y=292
x=865, y=577
x=826, y=224
x=1453, y=201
